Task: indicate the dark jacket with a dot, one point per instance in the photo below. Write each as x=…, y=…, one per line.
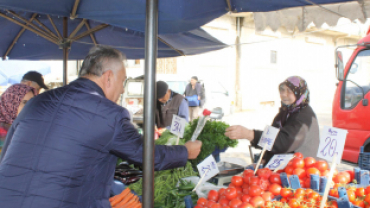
x=299, y=134
x=165, y=113
x=62, y=149
x=198, y=90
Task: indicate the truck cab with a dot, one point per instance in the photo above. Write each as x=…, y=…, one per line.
x=351, y=110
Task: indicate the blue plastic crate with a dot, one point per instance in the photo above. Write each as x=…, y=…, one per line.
x=364, y=159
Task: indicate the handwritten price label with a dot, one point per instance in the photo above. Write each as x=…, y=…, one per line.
x=332, y=142
x=268, y=137
x=277, y=160
x=178, y=126
x=208, y=168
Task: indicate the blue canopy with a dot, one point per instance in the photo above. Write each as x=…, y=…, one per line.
x=174, y=15
x=11, y=72
x=31, y=46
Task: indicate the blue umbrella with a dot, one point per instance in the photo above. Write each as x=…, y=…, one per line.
x=174, y=15
x=11, y=72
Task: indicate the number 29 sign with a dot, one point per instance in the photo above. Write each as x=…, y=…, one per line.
x=332, y=142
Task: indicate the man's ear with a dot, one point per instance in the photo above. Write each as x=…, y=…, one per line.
x=108, y=78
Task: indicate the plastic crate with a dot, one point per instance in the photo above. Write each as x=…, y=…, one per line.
x=364, y=159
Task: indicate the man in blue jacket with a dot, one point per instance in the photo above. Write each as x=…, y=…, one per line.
x=62, y=149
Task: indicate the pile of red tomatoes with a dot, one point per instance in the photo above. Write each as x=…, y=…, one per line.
x=249, y=190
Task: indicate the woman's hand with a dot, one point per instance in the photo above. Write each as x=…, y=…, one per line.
x=239, y=132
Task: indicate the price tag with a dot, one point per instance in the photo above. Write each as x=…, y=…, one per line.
x=208, y=168
x=178, y=126
x=279, y=161
x=268, y=137
x=332, y=142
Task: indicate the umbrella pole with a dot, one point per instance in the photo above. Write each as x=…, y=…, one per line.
x=65, y=50
x=151, y=34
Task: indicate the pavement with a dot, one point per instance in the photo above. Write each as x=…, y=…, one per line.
x=258, y=119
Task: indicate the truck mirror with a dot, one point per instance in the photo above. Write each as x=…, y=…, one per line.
x=365, y=102
x=339, y=65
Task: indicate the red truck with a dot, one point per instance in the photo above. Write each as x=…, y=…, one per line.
x=350, y=106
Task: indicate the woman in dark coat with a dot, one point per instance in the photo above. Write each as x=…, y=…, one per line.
x=12, y=102
x=299, y=129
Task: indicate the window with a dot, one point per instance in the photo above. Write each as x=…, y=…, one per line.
x=137, y=61
x=357, y=81
x=135, y=88
x=273, y=57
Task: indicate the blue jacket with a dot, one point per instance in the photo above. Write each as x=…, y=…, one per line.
x=62, y=149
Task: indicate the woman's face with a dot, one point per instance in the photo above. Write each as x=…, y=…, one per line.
x=26, y=98
x=286, y=95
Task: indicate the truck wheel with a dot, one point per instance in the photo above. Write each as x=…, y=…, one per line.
x=367, y=148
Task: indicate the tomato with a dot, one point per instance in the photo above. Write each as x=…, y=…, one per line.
x=237, y=181
x=264, y=184
x=246, y=198
x=289, y=169
x=239, y=190
x=275, y=178
x=235, y=203
x=210, y=203
x=213, y=195
x=334, y=193
x=347, y=176
x=298, y=155
x=326, y=173
x=264, y=173
x=340, y=178
x=246, y=205
x=257, y=201
x=300, y=191
x=244, y=186
x=267, y=196
x=367, y=198
x=221, y=191
x=301, y=173
x=360, y=192
x=230, y=193
x=309, y=162
x=216, y=206
x=321, y=165
x=307, y=183
x=284, y=192
x=367, y=190
x=352, y=174
x=255, y=190
x=313, y=195
x=312, y=171
x=359, y=204
x=297, y=163
x=231, y=185
x=224, y=202
x=202, y=201
x=293, y=203
x=351, y=195
x=198, y=206
x=308, y=191
x=275, y=189
x=246, y=191
x=333, y=204
x=248, y=173
x=254, y=180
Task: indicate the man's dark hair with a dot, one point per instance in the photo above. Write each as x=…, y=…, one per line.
x=93, y=62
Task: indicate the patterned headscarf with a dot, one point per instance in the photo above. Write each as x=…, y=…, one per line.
x=302, y=97
x=10, y=101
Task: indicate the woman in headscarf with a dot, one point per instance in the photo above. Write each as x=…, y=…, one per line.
x=12, y=102
x=299, y=129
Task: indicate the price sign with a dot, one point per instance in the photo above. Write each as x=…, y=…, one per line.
x=268, y=137
x=279, y=161
x=178, y=126
x=332, y=142
x=208, y=168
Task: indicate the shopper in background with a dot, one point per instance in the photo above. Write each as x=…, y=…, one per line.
x=35, y=80
x=169, y=103
x=299, y=129
x=12, y=102
x=194, y=93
